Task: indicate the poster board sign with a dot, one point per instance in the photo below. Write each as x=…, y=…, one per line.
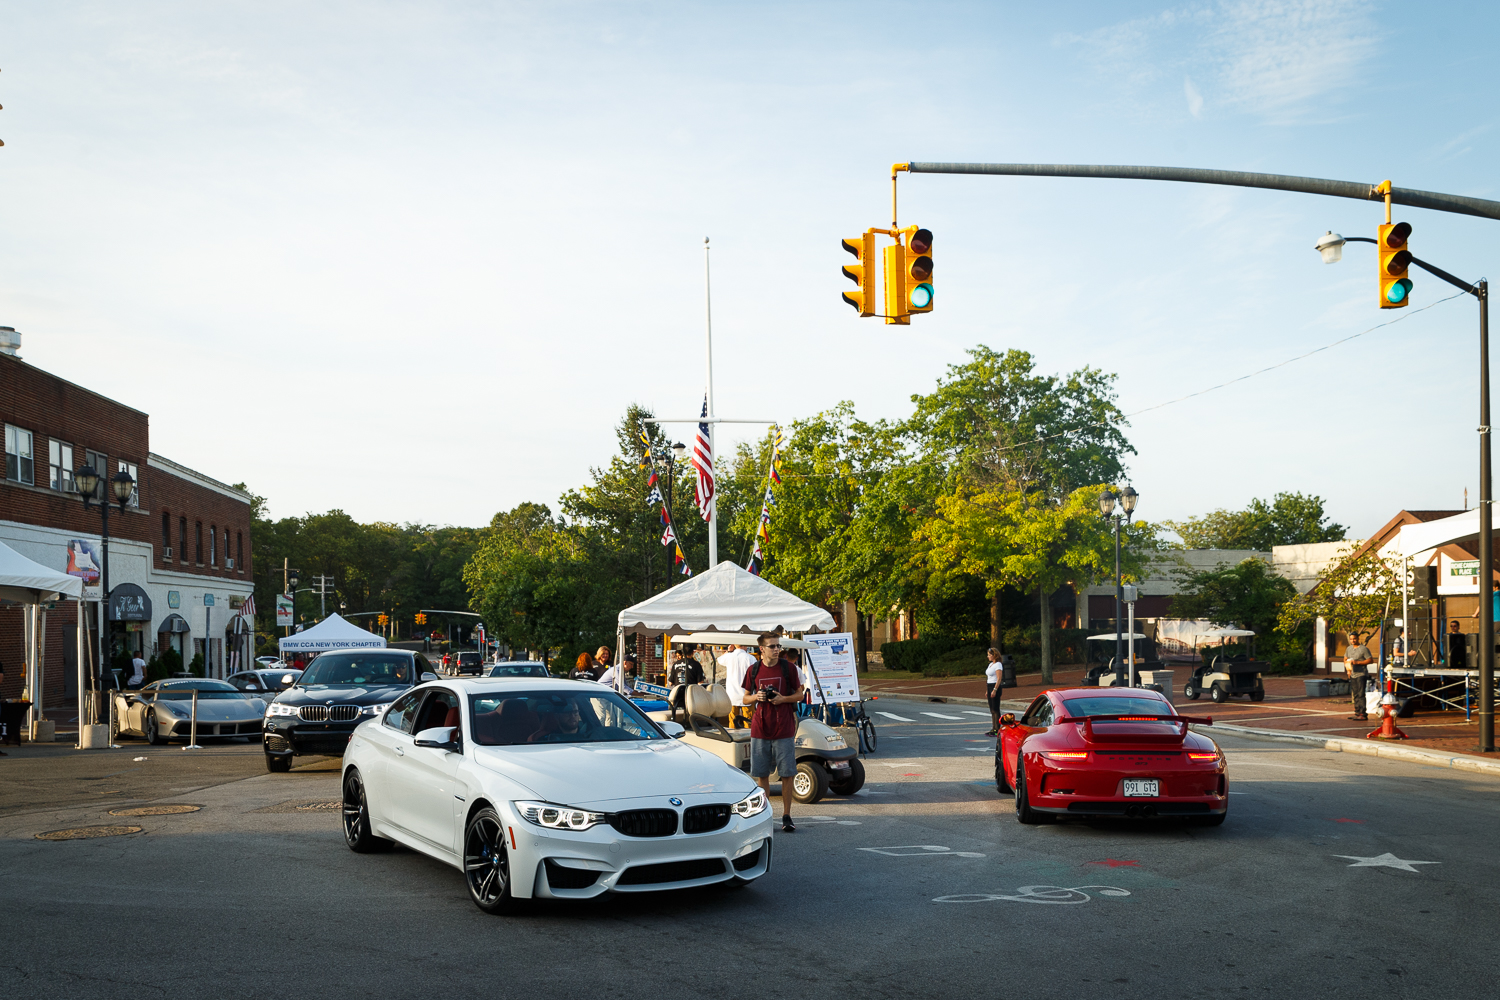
x=84, y=563
x=832, y=656
x=283, y=610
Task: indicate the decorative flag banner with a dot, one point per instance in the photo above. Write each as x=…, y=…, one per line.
x=763, y=529
x=655, y=496
x=667, y=538
x=776, y=457
x=652, y=480
x=703, y=462
x=755, y=559
x=664, y=516
x=669, y=530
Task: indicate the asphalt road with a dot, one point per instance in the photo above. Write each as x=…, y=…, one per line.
x=1336, y=876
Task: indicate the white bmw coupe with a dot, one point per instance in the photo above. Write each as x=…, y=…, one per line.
x=552, y=789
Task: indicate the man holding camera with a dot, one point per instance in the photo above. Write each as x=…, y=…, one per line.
x=773, y=687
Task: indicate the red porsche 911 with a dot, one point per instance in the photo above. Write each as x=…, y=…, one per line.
x=1122, y=752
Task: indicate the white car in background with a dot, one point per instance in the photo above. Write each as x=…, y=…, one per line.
x=550, y=788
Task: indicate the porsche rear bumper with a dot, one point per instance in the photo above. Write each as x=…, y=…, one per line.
x=1101, y=792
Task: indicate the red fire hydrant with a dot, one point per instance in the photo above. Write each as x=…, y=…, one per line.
x=1388, y=729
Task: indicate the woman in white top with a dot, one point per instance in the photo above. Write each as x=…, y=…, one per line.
x=994, y=677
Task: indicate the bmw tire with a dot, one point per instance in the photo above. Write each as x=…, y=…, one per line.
x=487, y=863
x=357, y=817
x=278, y=765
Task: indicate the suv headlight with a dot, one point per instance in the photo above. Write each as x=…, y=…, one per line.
x=555, y=817
x=277, y=708
x=375, y=709
x=752, y=805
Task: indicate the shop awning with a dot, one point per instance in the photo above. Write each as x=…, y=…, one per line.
x=173, y=623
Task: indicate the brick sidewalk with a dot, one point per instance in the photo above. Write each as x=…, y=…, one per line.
x=1286, y=707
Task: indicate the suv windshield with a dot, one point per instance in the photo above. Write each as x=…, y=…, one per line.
x=557, y=717
x=518, y=670
x=1079, y=707
x=358, y=669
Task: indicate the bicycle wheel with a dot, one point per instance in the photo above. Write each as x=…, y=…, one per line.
x=867, y=733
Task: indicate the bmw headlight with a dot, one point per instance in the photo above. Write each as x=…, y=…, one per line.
x=555, y=817
x=752, y=805
x=277, y=708
x=375, y=709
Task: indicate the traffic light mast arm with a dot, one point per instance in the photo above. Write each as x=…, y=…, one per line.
x=895, y=168
x=1472, y=287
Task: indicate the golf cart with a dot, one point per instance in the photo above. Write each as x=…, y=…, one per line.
x=827, y=758
x=1101, y=671
x=1227, y=674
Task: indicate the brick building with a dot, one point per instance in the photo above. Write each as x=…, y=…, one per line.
x=181, y=547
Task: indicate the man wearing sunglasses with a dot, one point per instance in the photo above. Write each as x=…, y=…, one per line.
x=773, y=687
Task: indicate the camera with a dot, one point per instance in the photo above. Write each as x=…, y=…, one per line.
x=769, y=692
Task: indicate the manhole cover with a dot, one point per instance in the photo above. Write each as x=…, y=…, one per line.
x=155, y=810
x=86, y=832
x=303, y=805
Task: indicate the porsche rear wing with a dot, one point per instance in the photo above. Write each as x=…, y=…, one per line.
x=1177, y=736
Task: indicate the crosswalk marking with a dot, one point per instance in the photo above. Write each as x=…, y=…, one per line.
x=939, y=715
x=893, y=715
x=982, y=715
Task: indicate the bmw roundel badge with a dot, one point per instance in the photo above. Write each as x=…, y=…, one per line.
x=675, y=801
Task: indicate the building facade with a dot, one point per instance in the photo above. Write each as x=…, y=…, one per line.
x=179, y=551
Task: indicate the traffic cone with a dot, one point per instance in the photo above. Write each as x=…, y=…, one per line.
x=1388, y=729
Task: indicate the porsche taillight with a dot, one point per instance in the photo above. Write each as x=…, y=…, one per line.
x=1066, y=754
x=1197, y=755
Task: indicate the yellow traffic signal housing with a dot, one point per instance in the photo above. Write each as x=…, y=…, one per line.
x=895, y=285
x=919, y=271
x=1395, y=259
x=862, y=273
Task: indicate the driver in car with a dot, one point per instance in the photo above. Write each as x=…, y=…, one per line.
x=564, y=722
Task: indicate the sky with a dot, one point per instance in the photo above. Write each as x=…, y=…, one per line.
x=414, y=260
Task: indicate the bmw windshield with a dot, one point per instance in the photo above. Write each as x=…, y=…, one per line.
x=525, y=719
x=358, y=670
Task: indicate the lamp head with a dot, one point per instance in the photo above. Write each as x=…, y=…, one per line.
x=1331, y=246
x=1107, y=502
x=123, y=485
x=1128, y=499
x=87, y=480
x=294, y=577
x=679, y=449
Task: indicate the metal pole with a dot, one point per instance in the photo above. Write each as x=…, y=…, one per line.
x=1486, y=536
x=1119, y=597
x=82, y=654
x=1130, y=631
x=193, y=725
x=103, y=609
x=708, y=338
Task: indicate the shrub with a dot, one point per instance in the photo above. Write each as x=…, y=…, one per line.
x=915, y=654
x=196, y=667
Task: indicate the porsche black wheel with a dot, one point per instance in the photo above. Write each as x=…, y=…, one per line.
x=1002, y=783
x=153, y=731
x=357, y=817
x=1024, y=812
x=487, y=863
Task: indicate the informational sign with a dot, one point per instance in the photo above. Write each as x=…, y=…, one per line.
x=84, y=563
x=208, y=600
x=1457, y=576
x=832, y=656
x=174, y=598
x=1464, y=567
x=283, y=610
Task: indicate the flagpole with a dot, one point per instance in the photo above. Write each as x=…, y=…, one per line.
x=708, y=337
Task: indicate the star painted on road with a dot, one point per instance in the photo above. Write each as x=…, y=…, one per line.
x=1386, y=860
x=1115, y=863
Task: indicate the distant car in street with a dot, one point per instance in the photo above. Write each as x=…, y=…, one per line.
x=162, y=711
x=264, y=680
x=517, y=668
x=337, y=691
x=469, y=662
x=267, y=661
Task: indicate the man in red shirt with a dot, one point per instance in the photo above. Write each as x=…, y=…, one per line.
x=773, y=687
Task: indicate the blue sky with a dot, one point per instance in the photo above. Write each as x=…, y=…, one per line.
x=414, y=259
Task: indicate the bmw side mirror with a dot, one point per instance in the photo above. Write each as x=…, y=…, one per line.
x=427, y=675
x=439, y=738
x=672, y=729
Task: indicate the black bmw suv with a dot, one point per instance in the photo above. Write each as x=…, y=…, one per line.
x=341, y=689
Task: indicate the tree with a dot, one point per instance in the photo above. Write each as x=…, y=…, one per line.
x=1249, y=595
x=1289, y=519
x=1354, y=595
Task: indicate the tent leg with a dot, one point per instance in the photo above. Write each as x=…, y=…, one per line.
x=620, y=658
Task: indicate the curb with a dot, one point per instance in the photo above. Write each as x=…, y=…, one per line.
x=1415, y=755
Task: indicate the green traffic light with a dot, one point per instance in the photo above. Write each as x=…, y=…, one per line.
x=1398, y=290
x=921, y=296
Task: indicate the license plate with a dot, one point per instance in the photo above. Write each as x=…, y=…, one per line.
x=1141, y=786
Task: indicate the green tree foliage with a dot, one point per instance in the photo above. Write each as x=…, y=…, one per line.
x=1248, y=595
x=1289, y=519
x=1354, y=595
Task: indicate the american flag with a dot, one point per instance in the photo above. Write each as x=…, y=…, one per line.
x=248, y=610
x=703, y=461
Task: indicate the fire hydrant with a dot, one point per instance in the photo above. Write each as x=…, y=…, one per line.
x=1388, y=729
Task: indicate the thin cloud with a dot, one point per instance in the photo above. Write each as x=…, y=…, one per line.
x=1194, y=99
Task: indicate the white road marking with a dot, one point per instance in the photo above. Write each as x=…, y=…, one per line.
x=1054, y=894
x=893, y=715
x=888, y=763
x=950, y=718
x=1386, y=860
x=982, y=715
x=920, y=851
x=977, y=749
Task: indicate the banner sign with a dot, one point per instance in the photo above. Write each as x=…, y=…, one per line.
x=832, y=656
x=283, y=610
x=655, y=689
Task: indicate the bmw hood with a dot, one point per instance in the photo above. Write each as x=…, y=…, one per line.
x=341, y=694
x=593, y=774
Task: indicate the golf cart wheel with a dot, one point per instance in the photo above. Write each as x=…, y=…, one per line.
x=851, y=784
x=1258, y=695
x=810, y=783
x=1191, y=690
x=1218, y=695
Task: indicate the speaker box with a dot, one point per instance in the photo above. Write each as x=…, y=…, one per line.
x=1423, y=583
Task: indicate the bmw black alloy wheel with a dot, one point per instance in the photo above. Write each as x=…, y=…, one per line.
x=357, y=817
x=486, y=862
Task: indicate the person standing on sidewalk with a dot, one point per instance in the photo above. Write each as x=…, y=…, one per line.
x=773, y=687
x=1357, y=660
x=994, y=682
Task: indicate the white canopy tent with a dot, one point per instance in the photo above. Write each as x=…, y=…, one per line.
x=31, y=584
x=333, y=632
x=726, y=598
x=1418, y=538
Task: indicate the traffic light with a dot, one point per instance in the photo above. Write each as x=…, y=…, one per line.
x=862, y=273
x=384, y=620
x=1395, y=258
x=919, y=271
x=896, y=310
x=421, y=618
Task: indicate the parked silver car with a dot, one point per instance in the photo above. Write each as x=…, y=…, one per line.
x=162, y=711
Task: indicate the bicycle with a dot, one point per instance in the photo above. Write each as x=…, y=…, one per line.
x=863, y=724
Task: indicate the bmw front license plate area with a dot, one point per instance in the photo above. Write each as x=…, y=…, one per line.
x=1146, y=787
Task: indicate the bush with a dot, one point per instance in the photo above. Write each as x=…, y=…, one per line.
x=163, y=665
x=1024, y=646
x=961, y=662
x=915, y=654
x=196, y=667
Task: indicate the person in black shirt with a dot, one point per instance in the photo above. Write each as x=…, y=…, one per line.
x=684, y=671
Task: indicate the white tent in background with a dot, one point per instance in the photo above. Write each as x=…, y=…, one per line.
x=29, y=583
x=333, y=632
x=726, y=598
x=1417, y=538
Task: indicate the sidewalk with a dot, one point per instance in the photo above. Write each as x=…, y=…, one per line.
x=1286, y=709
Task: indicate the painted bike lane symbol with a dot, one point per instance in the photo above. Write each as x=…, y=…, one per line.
x=1049, y=894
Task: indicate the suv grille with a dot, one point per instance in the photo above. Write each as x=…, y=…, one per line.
x=645, y=822
x=328, y=713
x=705, y=819
x=672, y=871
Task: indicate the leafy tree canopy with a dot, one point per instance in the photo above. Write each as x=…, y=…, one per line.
x=1289, y=519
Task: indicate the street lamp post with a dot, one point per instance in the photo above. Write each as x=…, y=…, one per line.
x=123, y=487
x=1331, y=246
x=1127, y=498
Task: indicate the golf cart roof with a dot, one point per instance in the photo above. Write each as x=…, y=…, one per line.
x=1225, y=633
x=1111, y=636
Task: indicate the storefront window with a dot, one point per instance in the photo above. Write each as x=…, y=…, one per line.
x=20, y=464
x=60, y=466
